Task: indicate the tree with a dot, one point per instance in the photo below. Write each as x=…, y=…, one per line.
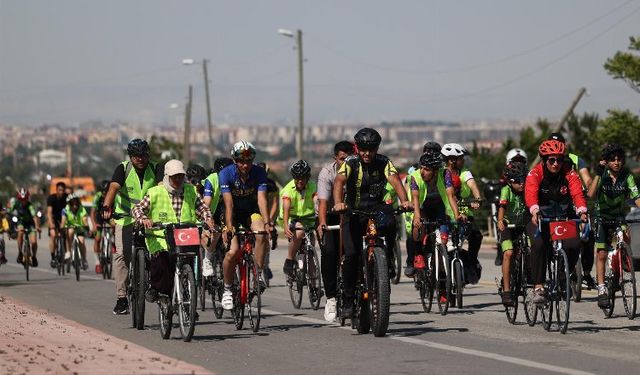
x=626, y=65
x=161, y=146
x=582, y=142
x=622, y=127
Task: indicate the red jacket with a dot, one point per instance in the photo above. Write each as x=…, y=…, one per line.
x=541, y=187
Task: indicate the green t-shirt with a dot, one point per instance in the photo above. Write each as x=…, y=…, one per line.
x=302, y=205
x=514, y=205
x=611, y=197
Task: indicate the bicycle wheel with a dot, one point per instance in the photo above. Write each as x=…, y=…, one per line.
x=514, y=283
x=314, y=282
x=104, y=246
x=379, y=292
x=546, y=310
x=131, y=288
x=443, y=280
x=141, y=287
x=202, y=282
x=76, y=259
x=562, y=298
x=254, y=299
x=530, y=309
x=628, y=282
x=340, y=297
x=425, y=288
x=362, y=316
x=238, y=306
x=186, y=308
x=216, y=288
x=611, y=292
x=576, y=280
x=397, y=259
x=26, y=255
x=459, y=282
x=296, y=285
x=59, y=254
x=165, y=317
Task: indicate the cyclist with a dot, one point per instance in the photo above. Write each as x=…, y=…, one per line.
x=172, y=201
x=612, y=185
x=552, y=186
x=25, y=212
x=195, y=176
x=460, y=184
x=244, y=192
x=330, y=251
x=97, y=219
x=580, y=166
x=55, y=204
x=298, y=208
x=4, y=226
x=75, y=219
x=273, y=206
x=130, y=182
x=511, y=211
x=360, y=181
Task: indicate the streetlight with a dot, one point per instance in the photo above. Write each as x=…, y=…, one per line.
x=298, y=38
x=206, y=90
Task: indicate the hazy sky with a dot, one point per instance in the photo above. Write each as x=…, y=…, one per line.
x=70, y=61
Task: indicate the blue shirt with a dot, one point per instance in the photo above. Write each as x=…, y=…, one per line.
x=245, y=194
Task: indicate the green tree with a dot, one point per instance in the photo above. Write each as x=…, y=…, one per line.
x=581, y=140
x=626, y=65
x=622, y=127
x=160, y=145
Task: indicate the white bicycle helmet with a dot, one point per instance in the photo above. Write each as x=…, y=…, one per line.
x=516, y=153
x=453, y=149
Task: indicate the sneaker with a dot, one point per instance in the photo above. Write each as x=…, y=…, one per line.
x=506, y=299
x=540, y=296
x=19, y=260
x=347, y=308
x=418, y=262
x=53, y=263
x=330, y=310
x=288, y=267
x=151, y=295
x=227, y=299
x=498, y=261
x=409, y=271
x=34, y=261
x=67, y=255
x=122, y=306
x=603, y=298
x=98, y=269
x=85, y=265
x=443, y=298
x=588, y=281
x=267, y=270
x=207, y=267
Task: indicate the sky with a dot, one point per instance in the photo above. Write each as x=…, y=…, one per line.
x=69, y=61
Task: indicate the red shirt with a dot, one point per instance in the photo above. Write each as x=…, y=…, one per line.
x=541, y=187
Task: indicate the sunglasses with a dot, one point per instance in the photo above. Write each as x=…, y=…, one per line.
x=554, y=160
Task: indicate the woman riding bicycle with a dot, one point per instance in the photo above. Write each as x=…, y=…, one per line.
x=553, y=188
x=75, y=219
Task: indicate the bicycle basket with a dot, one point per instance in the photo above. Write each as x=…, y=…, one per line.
x=184, y=239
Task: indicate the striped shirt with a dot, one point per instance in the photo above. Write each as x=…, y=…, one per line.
x=202, y=211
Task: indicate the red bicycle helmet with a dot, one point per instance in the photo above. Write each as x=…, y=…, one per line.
x=551, y=147
x=23, y=194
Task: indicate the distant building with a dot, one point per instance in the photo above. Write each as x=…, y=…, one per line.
x=52, y=157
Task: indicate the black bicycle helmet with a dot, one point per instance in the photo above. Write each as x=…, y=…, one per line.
x=196, y=173
x=431, y=145
x=611, y=150
x=556, y=136
x=431, y=159
x=300, y=169
x=221, y=163
x=138, y=147
x=515, y=172
x=367, y=138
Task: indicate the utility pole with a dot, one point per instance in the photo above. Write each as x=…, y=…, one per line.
x=187, y=129
x=209, y=126
x=564, y=118
x=300, y=94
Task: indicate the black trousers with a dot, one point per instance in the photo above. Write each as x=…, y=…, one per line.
x=541, y=248
x=161, y=272
x=330, y=256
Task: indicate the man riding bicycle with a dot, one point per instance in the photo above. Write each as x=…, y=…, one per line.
x=298, y=210
x=360, y=182
x=552, y=187
x=612, y=185
x=75, y=219
x=55, y=204
x=244, y=192
x=24, y=211
x=171, y=202
x=97, y=219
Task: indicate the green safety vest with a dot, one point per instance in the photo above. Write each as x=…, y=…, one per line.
x=422, y=193
x=465, y=192
x=161, y=211
x=131, y=193
x=215, y=197
x=300, y=206
x=75, y=220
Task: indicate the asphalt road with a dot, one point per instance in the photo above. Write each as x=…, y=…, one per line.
x=475, y=339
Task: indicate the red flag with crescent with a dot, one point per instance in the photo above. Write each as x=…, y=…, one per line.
x=563, y=230
x=186, y=236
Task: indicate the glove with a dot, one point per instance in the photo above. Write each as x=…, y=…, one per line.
x=599, y=169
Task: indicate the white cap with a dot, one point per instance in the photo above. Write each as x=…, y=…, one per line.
x=174, y=167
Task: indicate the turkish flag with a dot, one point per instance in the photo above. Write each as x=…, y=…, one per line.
x=563, y=230
x=186, y=236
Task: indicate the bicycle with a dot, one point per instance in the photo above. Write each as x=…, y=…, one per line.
x=458, y=232
x=619, y=270
x=397, y=254
x=76, y=258
x=107, y=248
x=306, y=272
x=214, y=284
x=436, y=272
x=26, y=247
x=246, y=286
x=184, y=245
x=518, y=278
x=59, y=251
x=138, y=277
